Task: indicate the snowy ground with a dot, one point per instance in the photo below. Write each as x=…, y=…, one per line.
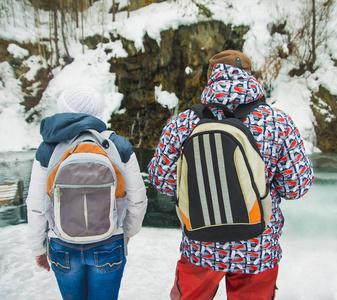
x=307, y=270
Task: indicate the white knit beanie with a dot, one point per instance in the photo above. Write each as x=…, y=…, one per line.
x=81, y=99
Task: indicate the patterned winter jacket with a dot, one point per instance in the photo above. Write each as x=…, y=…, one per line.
x=288, y=169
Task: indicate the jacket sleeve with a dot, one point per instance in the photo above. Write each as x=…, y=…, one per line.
x=294, y=171
x=37, y=222
x=136, y=196
x=163, y=166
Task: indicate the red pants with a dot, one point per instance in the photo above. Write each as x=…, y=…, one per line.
x=197, y=283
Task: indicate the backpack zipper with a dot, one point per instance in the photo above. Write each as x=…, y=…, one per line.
x=85, y=204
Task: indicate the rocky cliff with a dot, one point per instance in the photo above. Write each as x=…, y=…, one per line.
x=165, y=64
x=178, y=63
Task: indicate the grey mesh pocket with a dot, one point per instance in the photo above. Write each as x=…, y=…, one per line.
x=85, y=211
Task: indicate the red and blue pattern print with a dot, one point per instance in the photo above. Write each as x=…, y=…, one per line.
x=288, y=169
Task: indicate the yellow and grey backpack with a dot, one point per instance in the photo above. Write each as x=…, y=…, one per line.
x=86, y=199
x=222, y=192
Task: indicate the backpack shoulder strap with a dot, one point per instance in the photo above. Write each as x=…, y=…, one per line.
x=106, y=133
x=203, y=110
x=95, y=134
x=241, y=112
x=244, y=109
x=200, y=111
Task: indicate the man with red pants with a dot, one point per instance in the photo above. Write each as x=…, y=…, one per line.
x=250, y=266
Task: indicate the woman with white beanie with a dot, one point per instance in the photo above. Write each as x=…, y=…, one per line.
x=81, y=99
x=76, y=267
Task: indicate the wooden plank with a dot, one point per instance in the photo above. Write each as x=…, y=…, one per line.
x=11, y=193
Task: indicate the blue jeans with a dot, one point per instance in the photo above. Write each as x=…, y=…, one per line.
x=89, y=271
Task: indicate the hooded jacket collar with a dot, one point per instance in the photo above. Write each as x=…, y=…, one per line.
x=231, y=86
x=65, y=126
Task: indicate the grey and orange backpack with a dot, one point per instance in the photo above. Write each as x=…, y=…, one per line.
x=222, y=192
x=86, y=199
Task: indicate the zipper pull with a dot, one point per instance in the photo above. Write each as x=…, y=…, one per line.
x=73, y=148
x=57, y=194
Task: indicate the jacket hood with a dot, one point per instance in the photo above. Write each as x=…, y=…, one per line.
x=65, y=126
x=231, y=86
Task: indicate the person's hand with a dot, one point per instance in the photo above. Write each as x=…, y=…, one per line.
x=127, y=240
x=42, y=262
